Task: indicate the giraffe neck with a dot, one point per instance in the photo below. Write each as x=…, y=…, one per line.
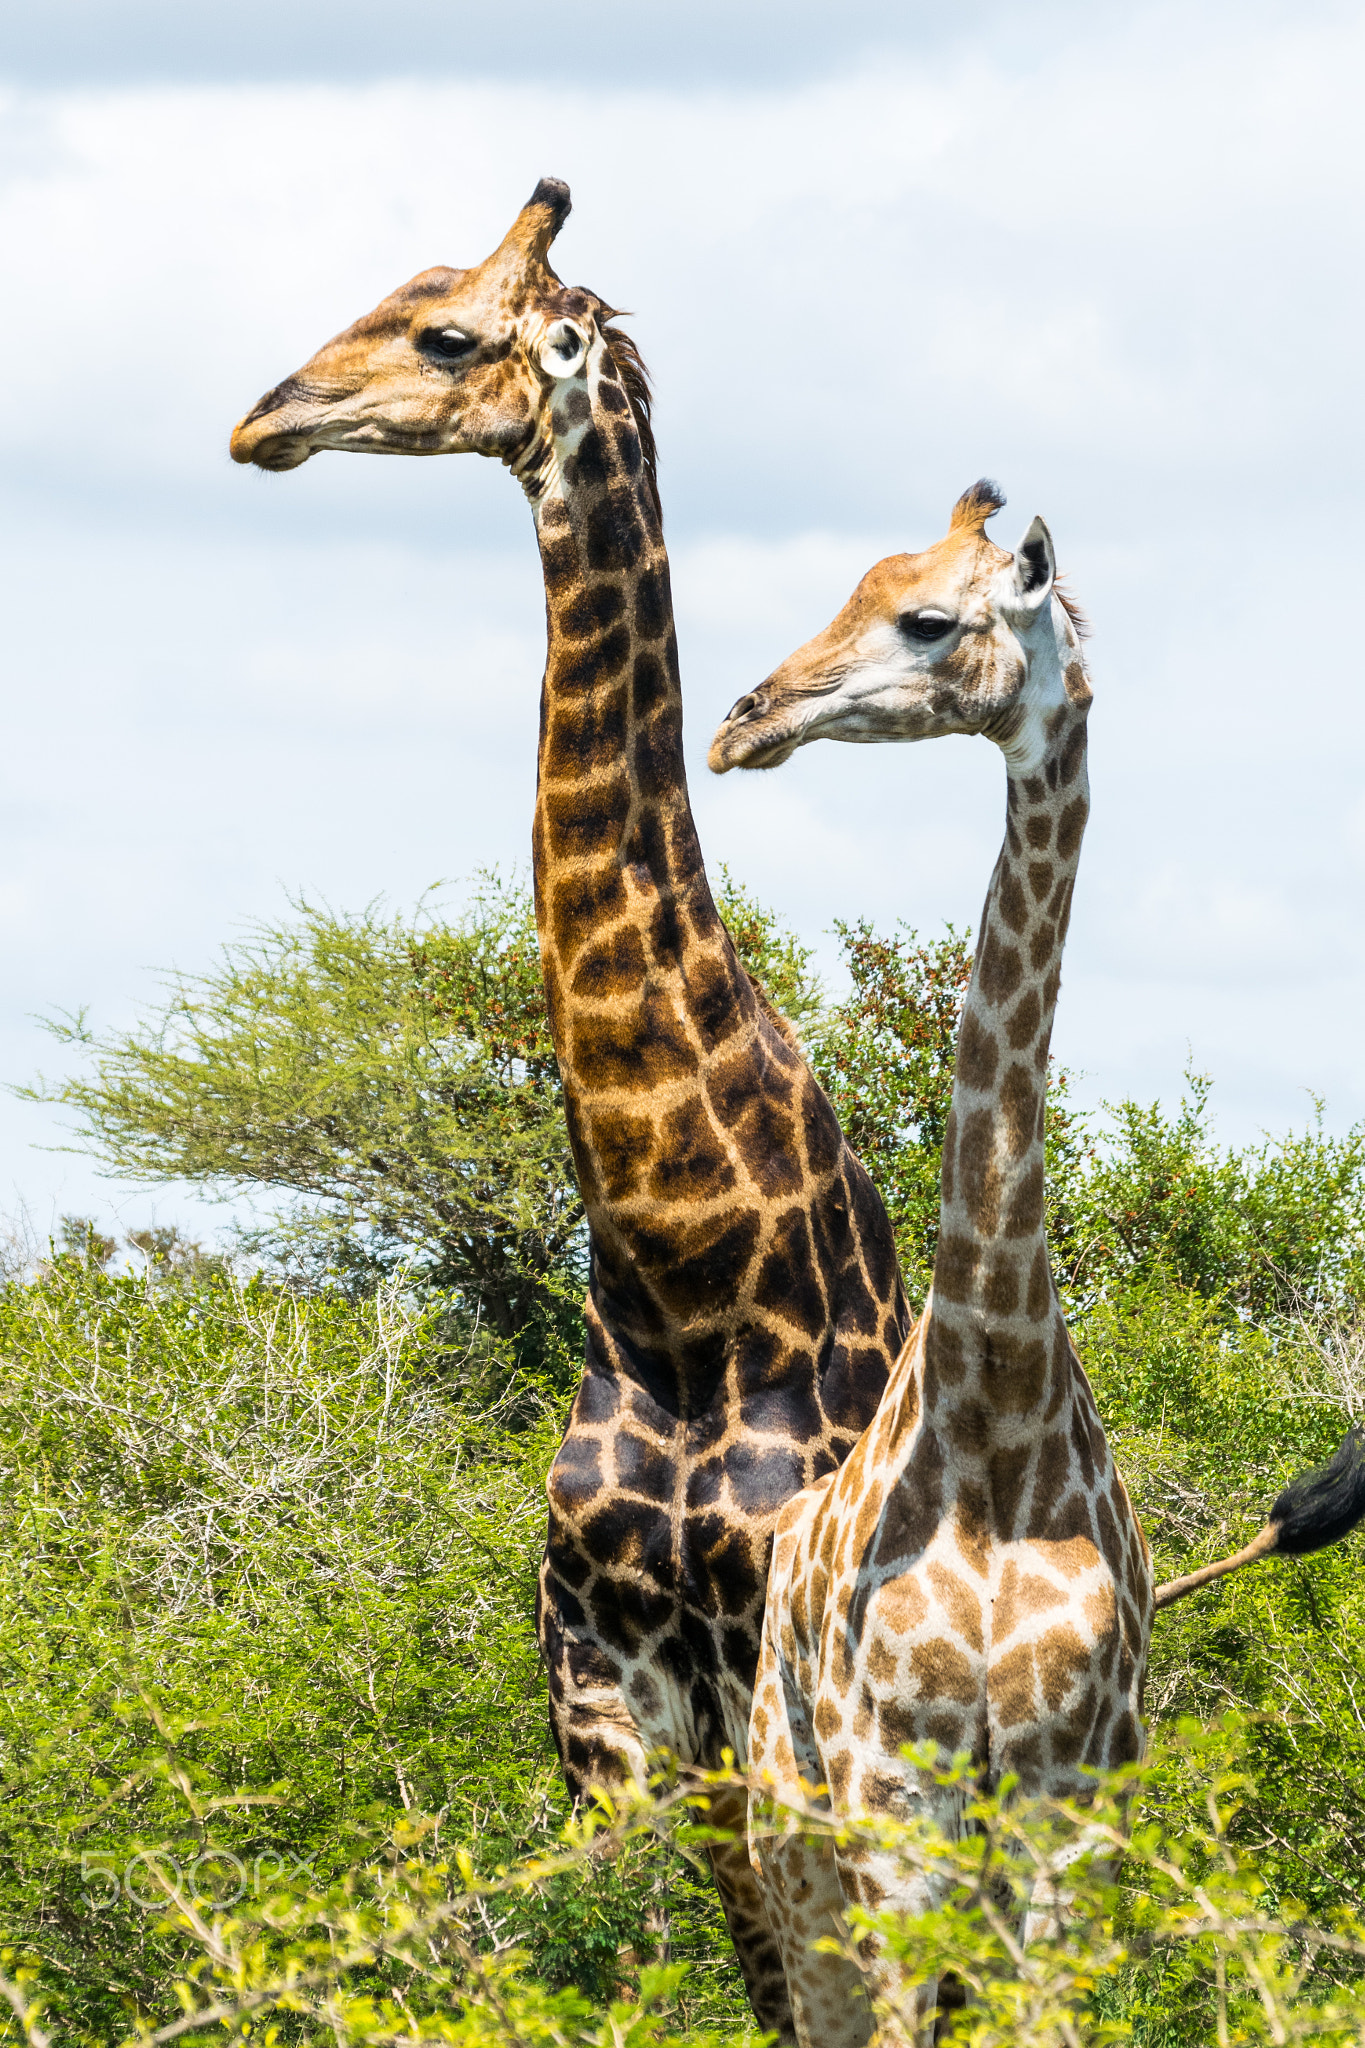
x=994, y=1314
x=641, y=980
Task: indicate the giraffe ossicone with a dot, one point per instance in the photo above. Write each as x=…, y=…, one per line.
x=744, y=1303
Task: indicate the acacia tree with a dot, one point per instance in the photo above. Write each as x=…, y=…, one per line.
x=393, y=1076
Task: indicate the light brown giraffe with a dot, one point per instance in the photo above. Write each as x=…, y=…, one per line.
x=744, y=1304
x=974, y=1575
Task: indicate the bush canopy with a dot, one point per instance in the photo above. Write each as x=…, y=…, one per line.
x=269, y=1527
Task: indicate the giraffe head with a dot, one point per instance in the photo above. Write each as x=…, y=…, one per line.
x=927, y=645
x=454, y=362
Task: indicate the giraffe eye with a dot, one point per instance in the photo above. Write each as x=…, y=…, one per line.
x=926, y=625
x=447, y=343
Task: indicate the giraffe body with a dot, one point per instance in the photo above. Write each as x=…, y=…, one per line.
x=744, y=1302
x=974, y=1574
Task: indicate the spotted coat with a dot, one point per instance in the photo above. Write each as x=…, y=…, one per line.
x=744, y=1302
x=973, y=1575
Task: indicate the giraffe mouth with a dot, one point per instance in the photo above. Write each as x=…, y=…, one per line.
x=280, y=449
x=281, y=452
x=756, y=733
x=253, y=442
x=751, y=750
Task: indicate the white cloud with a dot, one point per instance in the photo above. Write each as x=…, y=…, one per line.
x=1108, y=267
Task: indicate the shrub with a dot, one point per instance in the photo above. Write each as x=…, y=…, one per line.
x=269, y=1549
x=1160, y=1931
x=251, y=1541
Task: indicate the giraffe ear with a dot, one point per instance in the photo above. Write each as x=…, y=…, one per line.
x=1030, y=576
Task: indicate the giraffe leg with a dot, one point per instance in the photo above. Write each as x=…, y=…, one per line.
x=828, y=1996
x=596, y=1731
x=881, y=1882
x=601, y=1743
x=1050, y=1900
x=761, y=1959
x=905, y=2016
x=799, y=1880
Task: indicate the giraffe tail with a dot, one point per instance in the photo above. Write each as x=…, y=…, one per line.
x=1317, y=1508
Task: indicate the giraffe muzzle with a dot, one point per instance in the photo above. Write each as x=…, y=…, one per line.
x=729, y=747
x=263, y=440
x=754, y=735
x=276, y=452
x=274, y=434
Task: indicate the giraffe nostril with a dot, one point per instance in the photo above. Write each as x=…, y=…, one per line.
x=275, y=401
x=741, y=709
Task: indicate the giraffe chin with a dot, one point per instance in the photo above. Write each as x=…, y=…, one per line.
x=751, y=750
x=274, y=452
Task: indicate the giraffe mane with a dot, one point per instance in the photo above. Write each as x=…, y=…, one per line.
x=781, y=1024
x=630, y=367
x=1070, y=606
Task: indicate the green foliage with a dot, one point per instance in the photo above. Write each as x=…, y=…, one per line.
x=267, y=1572
x=421, y=1944
x=396, y=1078
x=394, y=1075
x=268, y=1556
x=1269, y=1229
x=1153, y=1924
x=285, y=1544
x=1209, y=1415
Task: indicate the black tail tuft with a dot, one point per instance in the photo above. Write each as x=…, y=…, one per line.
x=1324, y=1505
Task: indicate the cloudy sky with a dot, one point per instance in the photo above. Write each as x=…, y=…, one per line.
x=1107, y=254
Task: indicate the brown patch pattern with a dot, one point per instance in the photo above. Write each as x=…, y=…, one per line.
x=991, y=1587
x=744, y=1306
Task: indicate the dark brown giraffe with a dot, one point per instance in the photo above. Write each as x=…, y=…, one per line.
x=744, y=1304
